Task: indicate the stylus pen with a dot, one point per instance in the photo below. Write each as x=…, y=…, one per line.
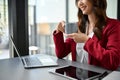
x=100, y=77
x=103, y=75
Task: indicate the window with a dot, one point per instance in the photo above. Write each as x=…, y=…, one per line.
x=44, y=16
x=4, y=40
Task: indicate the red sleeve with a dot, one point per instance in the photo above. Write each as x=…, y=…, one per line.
x=62, y=48
x=107, y=51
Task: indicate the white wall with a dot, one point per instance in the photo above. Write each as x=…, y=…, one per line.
x=112, y=8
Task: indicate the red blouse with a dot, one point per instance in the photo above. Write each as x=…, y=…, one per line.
x=104, y=53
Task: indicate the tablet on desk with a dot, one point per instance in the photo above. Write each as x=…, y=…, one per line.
x=75, y=73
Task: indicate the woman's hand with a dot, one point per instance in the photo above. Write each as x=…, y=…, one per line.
x=61, y=26
x=78, y=37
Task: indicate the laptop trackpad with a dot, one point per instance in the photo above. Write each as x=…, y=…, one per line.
x=46, y=60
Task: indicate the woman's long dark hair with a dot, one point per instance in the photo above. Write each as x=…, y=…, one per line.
x=100, y=12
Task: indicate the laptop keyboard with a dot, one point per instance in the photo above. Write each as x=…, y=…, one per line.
x=32, y=61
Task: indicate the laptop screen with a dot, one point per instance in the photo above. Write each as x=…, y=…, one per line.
x=13, y=43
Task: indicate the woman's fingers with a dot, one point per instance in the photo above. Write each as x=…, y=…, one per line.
x=71, y=35
x=60, y=27
x=78, y=37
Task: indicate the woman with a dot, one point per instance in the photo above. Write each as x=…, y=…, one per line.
x=98, y=38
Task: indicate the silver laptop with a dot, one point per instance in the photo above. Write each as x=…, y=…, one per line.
x=34, y=61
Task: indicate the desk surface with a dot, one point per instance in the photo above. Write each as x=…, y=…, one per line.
x=12, y=69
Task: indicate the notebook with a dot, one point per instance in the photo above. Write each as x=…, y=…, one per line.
x=31, y=61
